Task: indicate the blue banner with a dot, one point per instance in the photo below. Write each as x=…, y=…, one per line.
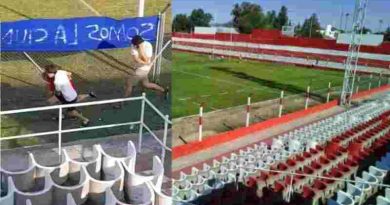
x=75, y=34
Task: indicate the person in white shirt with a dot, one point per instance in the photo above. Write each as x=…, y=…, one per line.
x=64, y=91
x=141, y=52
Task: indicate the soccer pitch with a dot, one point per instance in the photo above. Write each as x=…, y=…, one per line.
x=224, y=83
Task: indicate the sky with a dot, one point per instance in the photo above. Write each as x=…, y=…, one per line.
x=328, y=11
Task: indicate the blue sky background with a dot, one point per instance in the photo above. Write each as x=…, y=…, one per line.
x=328, y=11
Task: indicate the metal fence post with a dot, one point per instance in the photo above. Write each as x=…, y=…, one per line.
x=165, y=137
x=369, y=84
x=281, y=103
x=59, y=133
x=248, y=112
x=200, y=122
x=329, y=89
x=157, y=47
x=161, y=39
x=307, y=97
x=141, y=123
x=357, y=84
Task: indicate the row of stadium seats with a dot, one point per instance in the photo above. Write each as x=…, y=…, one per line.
x=308, y=56
x=367, y=186
x=331, y=147
x=103, y=179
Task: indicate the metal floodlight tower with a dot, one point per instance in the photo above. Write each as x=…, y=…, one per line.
x=353, y=51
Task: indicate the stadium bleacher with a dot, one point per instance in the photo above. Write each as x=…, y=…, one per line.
x=99, y=178
x=338, y=160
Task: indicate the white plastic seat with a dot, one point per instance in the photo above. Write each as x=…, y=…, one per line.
x=378, y=173
x=136, y=185
x=44, y=196
x=93, y=165
x=354, y=191
x=380, y=200
x=366, y=188
x=61, y=170
x=129, y=157
x=111, y=199
x=25, y=179
x=79, y=191
x=112, y=176
x=9, y=197
x=372, y=180
x=344, y=198
x=160, y=197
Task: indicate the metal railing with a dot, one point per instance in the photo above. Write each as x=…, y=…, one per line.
x=143, y=99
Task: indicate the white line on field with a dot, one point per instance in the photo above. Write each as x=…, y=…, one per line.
x=226, y=81
x=224, y=93
x=184, y=99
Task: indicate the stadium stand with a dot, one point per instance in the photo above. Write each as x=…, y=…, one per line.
x=338, y=160
x=272, y=46
x=100, y=179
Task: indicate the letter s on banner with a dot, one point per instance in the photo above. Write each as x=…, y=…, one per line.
x=42, y=38
x=96, y=30
x=150, y=25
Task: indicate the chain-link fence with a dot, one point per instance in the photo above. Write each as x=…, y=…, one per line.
x=102, y=71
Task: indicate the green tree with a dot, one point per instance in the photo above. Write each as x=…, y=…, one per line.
x=365, y=30
x=387, y=34
x=200, y=18
x=247, y=16
x=282, y=18
x=270, y=19
x=311, y=27
x=181, y=23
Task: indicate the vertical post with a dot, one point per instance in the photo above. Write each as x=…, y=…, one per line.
x=369, y=84
x=380, y=80
x=141, y=122
x=165, y=137
x=200, y=122
x=141, y=8
x=281, y=103
x=161, y=44
x=329, y=89
x=60, y=133
x=307, y=97
x=248, y=112
x=357, y=84
x=156, y=51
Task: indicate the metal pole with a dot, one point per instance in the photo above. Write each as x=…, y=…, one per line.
x=141, y=124
x=248, y=110
x=329, y=88
x=369, y=84
x=200, y=122
x=307, y=97
x=141, y=8
x=162, y=31
x=59, y=133
x=281, y=103
x=165, y=137
x=157, y=46
x=357, y=84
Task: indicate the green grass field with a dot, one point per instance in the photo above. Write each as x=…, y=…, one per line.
x=226, y=83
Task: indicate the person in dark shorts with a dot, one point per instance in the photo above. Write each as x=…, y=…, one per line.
x=63, y=90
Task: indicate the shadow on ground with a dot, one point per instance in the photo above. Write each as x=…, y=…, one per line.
x=269, y=83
